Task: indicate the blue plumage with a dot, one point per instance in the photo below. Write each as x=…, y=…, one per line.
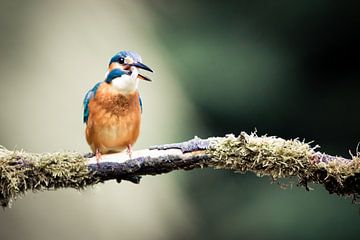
x=123, y=54
x=141, y=106
x=92, y=92
x=114, y=74
x=113, y=107
x=89, y=95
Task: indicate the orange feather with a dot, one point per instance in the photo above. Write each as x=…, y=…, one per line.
x=114, y=120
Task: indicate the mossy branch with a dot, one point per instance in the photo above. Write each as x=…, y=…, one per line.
x=265, y=156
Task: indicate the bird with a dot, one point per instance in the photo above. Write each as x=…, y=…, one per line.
x=113, y=107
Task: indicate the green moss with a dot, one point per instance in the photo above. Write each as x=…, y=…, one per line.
x=265, y=156
x=340, y=176
x=270, y=156
x=20, y=172
x=279, y=158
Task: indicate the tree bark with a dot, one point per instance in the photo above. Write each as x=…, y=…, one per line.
x=263, y=155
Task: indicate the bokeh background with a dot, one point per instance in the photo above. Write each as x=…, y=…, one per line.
x=285, y=68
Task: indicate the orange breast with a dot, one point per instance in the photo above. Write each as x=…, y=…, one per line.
x=114, y=120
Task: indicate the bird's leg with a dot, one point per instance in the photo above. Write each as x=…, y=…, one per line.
x=129, y=150
x=97, y=156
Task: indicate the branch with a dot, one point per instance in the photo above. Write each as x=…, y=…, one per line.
x=265, y=156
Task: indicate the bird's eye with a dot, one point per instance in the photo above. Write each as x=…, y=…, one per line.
x=121, y=60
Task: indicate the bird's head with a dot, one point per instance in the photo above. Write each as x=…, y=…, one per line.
x=130, y=62
x=123, y=73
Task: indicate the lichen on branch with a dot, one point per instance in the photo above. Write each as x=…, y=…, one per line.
x=21, y=171
x=279, y=158
x=263, y=155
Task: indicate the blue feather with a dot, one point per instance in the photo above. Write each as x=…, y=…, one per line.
x=141, y=105
x=114, y=74
x=92, y=92
x=89, y=95
x=123, y=54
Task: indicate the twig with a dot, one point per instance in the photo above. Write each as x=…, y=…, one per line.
x=265, y=156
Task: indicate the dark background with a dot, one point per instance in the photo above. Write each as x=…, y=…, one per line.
x=284, y=68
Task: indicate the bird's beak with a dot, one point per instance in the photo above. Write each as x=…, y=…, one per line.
x=142, y=66
x=142, y=77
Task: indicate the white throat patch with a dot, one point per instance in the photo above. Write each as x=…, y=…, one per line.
x=127, y=83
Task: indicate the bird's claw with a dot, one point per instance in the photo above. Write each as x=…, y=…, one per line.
x=97, y=156
x=129, y=151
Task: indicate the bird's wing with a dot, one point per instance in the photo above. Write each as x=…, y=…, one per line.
x=89, y=95
x=141, y=105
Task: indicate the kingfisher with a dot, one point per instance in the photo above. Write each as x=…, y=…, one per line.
x=113, y=107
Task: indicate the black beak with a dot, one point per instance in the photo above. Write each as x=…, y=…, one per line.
x=141, y=65
x=142, y=77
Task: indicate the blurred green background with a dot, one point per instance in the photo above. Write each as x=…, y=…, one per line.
x=285, y=68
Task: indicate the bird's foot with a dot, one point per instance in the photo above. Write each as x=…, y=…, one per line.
x=129, y=150
x=97, y=156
